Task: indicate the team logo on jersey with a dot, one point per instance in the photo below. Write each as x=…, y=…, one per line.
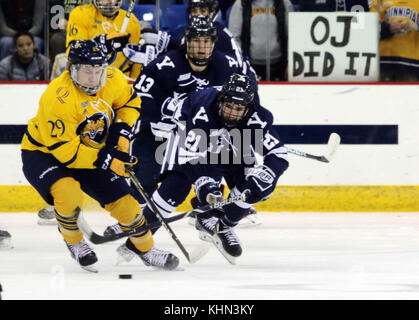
x=93, y=130
x=62, y=93
x=200, y=83
x=184, y=77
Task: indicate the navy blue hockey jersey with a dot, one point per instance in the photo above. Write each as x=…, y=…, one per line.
x=201, y=141
x=171, y=76
x=225, y=42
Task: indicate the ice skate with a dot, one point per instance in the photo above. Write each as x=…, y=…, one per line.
x=154, y=257
x=251, y=219
x=46, y=216
x=83, y=254
x=5, y=239
x=125, y=255
x=113, y=229
x=227, y=242
x=206, y=227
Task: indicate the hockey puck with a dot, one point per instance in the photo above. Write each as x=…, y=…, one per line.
x=125, y=276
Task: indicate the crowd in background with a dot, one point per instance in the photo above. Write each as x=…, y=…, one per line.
x=33, y=34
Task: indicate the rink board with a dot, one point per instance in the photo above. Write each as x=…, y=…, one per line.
x=284, y=199
x=374, y=169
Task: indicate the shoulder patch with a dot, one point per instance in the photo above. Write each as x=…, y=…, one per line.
x=62, y=94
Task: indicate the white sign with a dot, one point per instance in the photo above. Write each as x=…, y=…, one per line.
x=333, y=46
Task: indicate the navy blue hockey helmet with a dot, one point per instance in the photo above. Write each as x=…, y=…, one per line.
x=212, y=6
x=87, y=53
x=236, y=91
x=200, y=26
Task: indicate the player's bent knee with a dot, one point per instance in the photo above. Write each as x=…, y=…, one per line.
x=125, y=209
x=67, y=196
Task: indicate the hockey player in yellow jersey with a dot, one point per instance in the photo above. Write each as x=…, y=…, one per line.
x=79, y=142
x=399, y=43
x=105, y=17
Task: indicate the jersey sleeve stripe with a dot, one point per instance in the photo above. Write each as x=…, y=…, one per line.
x=56, y=145
x=73, y=158
x=32, y=140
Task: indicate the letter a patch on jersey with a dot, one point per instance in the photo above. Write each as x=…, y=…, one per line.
x=167, y=62
x=201, y=115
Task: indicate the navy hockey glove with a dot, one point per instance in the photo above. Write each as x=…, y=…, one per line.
x=120, y=134
x=110, y=158
x=260, y=182
x=140, y=54
x=208, y=190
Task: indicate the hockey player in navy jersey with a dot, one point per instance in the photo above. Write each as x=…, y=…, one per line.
x=192, y=67
x=218, y=135
x=225, y=40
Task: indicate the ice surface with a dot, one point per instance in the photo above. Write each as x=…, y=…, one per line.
x=290, y=256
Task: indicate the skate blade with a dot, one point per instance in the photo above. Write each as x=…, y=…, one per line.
x=220, y=248
x=90, y=268
x=47, y=222
x=156, y=269
x=249, y=222
x=191, y=221
x=205, y=236
x=125, y=256
x=121, y=261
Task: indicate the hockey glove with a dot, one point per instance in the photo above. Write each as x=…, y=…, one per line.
x=120, y=135
x=260, y=182
x=159, y=39
x=111, y=158
x=139, y=54
x=208, y=190
x=112, y=41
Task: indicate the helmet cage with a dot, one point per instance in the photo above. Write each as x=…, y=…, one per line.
x=108, y=9
x=88, y=90
x=86, y=53
x=237, y=90
x=199, y=26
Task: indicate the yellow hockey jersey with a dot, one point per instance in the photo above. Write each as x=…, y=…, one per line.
x=86, y=22
x=400, y=48
x=73, y=126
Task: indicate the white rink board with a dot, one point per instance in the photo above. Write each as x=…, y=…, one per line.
x=293, y=105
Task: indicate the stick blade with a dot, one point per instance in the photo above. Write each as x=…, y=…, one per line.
x=332, y=145
x=199, y=252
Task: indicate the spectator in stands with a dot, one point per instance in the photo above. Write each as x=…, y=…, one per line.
x=26, y=64
x=20, y=15
x=59, y=24
x=334, y=5
x=260, y=28
x=58, y=33
x=399, y=40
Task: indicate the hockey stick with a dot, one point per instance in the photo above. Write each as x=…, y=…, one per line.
x=127, y=16
x=332, y=145
x=193, y=256
x=124, y=28
x=95, y=238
